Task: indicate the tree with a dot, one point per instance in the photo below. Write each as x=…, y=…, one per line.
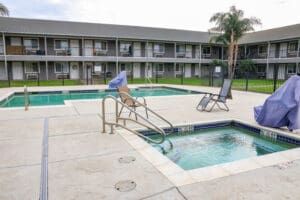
x=3, y=10
x=245, y=67
x=229, y=28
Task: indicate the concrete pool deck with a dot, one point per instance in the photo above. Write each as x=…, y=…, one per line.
x=83, y=163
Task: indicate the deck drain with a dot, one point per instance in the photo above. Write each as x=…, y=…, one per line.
x=125, y=186
x=126, y=159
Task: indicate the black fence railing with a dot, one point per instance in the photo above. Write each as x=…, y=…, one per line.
x=182, y=76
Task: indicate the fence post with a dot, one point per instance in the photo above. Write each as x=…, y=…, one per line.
x=63, y=78
x=247, y=80
x=38, y=79
x=275, y=77
x=131, y=75
x=182, y=74
x=104, y=75
x=156, y=75
x=8, y=78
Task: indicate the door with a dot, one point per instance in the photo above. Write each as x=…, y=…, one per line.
x=137, y=49
x=148, y=71
x=281, y=71
x=149, y=50
x=88, y=48
x=74, y=70
x=272, y=51
x=74, y=44
x=2, y=71
x=187, y=71
x=188, y=49
x=283, y=50
x=17, y=71
x=136, y=70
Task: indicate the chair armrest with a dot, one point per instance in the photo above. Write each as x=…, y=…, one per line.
x=145, y=103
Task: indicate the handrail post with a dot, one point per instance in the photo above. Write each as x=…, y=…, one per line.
x=117, y=111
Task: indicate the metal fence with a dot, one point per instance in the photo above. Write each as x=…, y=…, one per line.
x=242, y=81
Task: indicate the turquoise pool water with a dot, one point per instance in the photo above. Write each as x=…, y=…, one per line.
x=213, y=146
x=58, y=98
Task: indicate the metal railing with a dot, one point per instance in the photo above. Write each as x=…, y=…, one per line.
x=118, y=117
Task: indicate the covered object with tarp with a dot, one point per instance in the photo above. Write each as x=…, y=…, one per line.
x=120, y=80
x=282, y=108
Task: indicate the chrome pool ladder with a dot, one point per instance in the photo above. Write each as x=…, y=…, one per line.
x=118, y=117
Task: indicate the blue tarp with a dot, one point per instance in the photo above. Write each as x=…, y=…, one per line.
x=282, y=108
x=120, y=80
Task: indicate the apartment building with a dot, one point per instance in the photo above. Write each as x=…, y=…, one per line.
x=73, y=50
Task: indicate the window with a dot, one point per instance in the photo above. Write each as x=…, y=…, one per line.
x=291, y=69
x=179, y=67
x=101, y=45
x=99, y=67
x=31, y=43
x=1, y=47
x=159, y=48
x=261, y=69
x=61, y=68
x=32, y=67
x=126, y=67
x=262, y=49
x=180, y=48
x=206, y=50
x=292, y=47
x=159, y=67
x=125, y=47
x=60, y=44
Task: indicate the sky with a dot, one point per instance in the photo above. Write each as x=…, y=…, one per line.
x=175, y=14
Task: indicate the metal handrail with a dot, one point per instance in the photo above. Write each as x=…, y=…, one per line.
x=116, y=123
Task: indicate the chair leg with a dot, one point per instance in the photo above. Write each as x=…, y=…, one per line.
x=212, y=107
x=146, y=113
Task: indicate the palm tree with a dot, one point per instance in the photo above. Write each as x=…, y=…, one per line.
x=229, y=28
x=3, y=10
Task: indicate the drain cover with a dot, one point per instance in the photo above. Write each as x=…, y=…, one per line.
x=126, y=159
x=125, y=186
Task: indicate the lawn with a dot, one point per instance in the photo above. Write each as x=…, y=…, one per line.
x=254, y=85
x=41, y=83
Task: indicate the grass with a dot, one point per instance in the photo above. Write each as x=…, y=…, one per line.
x=41, y=83
x=254, y=85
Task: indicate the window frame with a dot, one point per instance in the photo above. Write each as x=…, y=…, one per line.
x=62, y=48
x=31, y=72
x=259, y=48
x=294, y=68
x=159, y=44
x=258, y=67
x=1, y=48
x=61, y=72
x=127, y=66
x=181, y=45
x=125, y=50
x=30, y=47
x=289, y=47
x=210, y=50
x=158, y=65
x=101, y=42
x=180, y=66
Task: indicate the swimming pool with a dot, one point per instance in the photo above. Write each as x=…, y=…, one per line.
x=209, y=145
x=58, y=97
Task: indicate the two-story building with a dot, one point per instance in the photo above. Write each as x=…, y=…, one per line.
x=75, y=50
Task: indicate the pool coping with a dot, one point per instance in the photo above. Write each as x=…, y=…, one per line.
x=68, y=103
x=180, y=177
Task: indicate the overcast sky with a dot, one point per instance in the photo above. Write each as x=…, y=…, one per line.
x=183, y=14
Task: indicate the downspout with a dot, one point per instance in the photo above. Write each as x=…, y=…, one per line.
x=5, y=58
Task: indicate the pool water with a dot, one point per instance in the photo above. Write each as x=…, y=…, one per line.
x=58, y=98
x=213, y=146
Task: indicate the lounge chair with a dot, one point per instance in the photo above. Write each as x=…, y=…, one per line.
x=216, y=99
x=124, y=94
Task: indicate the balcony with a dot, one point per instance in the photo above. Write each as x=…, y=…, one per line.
x=22, y=50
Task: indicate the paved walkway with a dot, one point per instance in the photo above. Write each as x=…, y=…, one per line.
x=83, y=163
